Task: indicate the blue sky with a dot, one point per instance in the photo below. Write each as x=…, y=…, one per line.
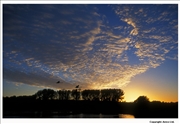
x=94, y=46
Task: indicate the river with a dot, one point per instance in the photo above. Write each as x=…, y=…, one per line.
x=57, y=115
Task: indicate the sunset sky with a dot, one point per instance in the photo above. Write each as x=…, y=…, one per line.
x=133, y=47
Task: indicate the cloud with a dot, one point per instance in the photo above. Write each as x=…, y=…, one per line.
x=134, y=31
x=132, y=23
x=96, y=14
x=161, y=38
x=66, y=22
x=92, y=37
x=76, y=44
x=118, y=27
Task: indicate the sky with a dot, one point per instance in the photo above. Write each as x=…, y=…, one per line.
x=133, y=47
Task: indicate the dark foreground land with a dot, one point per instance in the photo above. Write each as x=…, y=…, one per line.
x=46, y=108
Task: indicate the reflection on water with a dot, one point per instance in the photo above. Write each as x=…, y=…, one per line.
x=126, y=116
x=97, y=116
x=103, y=116
x=58, y=115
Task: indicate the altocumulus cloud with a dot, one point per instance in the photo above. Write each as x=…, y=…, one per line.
x=89, y=45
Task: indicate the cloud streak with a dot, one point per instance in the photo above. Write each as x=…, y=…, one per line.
x=78, y=46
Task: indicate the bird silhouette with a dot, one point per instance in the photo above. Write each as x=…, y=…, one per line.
x=58, y=82
x=77, y=86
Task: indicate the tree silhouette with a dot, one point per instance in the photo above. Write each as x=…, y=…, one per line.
x=91, y=95
x=142, y=106
x=64, y=94
x=112, y=95
x=117, y=95
x=46, y=94
x=142, y=100
x=75, y=94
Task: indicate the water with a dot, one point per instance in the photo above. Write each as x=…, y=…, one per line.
x=57, y=115
x=95, y=116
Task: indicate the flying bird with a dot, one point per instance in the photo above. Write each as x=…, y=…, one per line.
x=77, y=86
x=58, y=82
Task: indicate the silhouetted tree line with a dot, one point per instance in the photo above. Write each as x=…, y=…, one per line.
x=87, y=101
x=76, y=94
x=143, y=108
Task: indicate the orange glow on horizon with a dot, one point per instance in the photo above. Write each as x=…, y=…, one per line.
x=132, y=94
x=132, y=91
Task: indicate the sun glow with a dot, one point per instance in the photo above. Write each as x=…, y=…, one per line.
x=131, y=96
